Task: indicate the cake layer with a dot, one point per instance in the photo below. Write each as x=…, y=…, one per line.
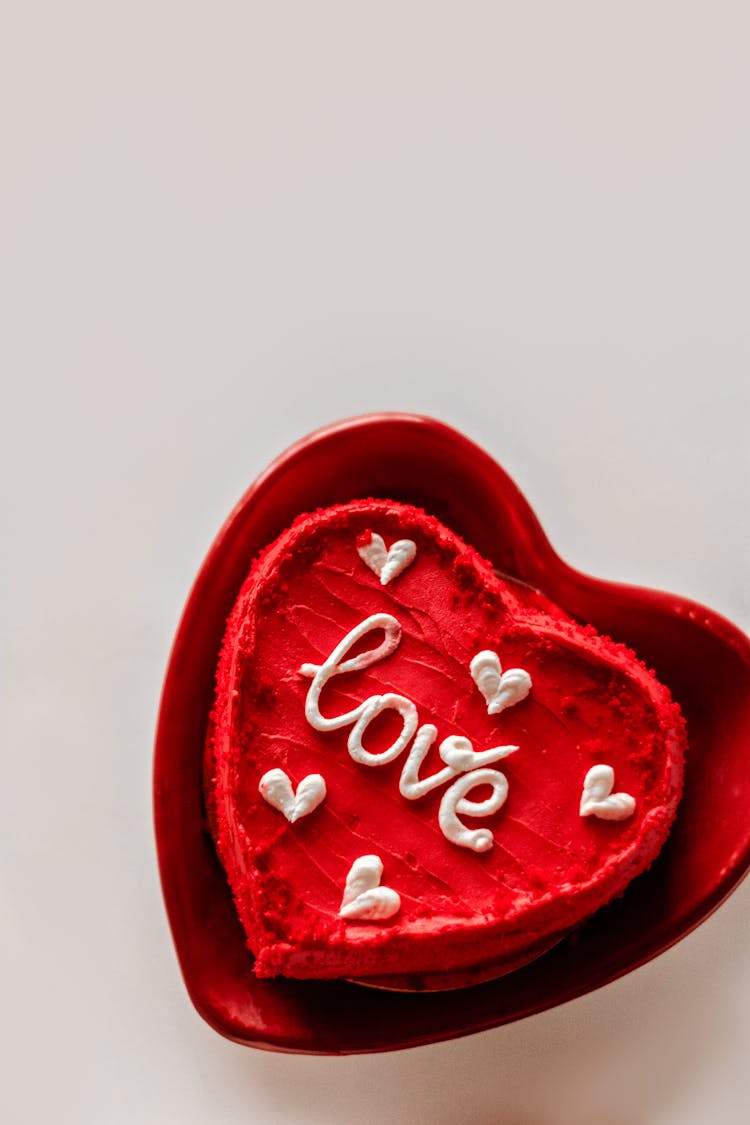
x=417, y=768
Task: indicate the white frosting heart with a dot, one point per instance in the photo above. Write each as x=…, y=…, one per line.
x=500, y=689
x=598, y=799
x=387, y=564
x=276, y=788
x=365, y=900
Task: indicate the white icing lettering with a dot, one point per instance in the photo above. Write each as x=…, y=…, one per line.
x=455, y=804
x=372, y=707
x=410, y=786
x=456, y=751
x=333, y=666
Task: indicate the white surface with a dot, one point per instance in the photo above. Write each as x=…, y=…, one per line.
x=225, y=223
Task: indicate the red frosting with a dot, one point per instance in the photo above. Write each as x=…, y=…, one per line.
x=591, y=702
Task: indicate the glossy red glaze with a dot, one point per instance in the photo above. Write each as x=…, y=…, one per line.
x=702, y=658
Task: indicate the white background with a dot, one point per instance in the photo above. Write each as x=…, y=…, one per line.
x=223, y=224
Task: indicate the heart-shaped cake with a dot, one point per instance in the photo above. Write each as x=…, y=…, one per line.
x=416, y=766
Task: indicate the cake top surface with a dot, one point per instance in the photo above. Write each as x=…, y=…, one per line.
x=417, y=764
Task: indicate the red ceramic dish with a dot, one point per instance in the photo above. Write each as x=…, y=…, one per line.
x=702, y=658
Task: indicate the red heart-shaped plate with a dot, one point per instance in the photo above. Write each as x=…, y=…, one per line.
x=703, y=659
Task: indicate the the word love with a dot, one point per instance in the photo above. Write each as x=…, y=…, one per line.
x=464, y=767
